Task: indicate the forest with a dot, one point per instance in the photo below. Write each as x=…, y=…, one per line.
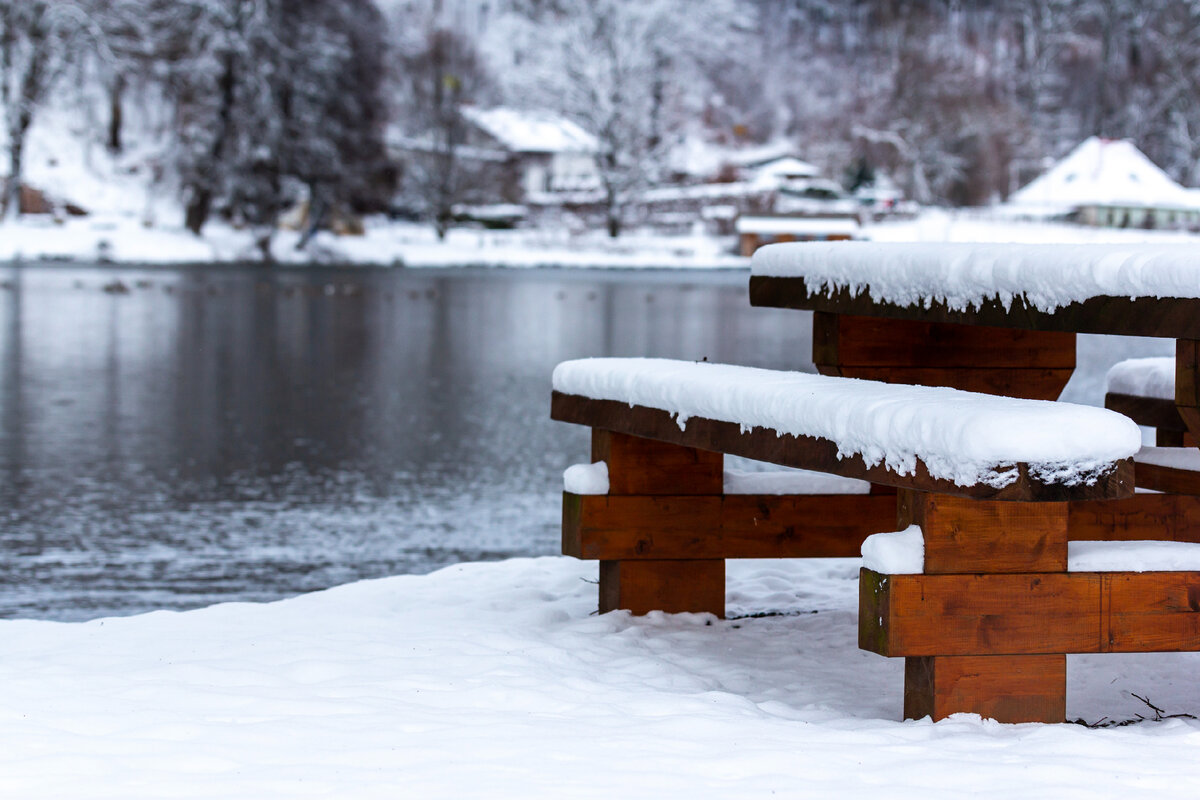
x=260, y=102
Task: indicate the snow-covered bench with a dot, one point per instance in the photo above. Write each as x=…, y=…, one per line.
x=989, y=480
x=1143, y=389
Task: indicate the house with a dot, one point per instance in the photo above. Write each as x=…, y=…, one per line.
x=1110, y=183
x=547, y=153
x=756, y=231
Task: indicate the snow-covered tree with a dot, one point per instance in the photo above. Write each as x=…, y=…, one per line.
x=38, y=39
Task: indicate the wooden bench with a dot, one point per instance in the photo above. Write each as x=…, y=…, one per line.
x=995, y=519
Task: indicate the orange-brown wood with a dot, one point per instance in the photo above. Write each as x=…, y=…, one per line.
x=671, y=586
x=608, y=527
x=1165, y=517
x=816, y=454
x=1166, y=479
x=1033, y=613
x=641, y=467
x=1153, y=412
x=1014, y=363
x=1187, y=384
x=964, y=535
x=1003, y=688
x=1013, y=614
x=645, y=466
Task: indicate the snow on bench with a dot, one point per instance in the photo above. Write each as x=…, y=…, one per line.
x=963, y=276
x=903, y=553
x=965, y=438
x=592, y=479
x=1143, y=377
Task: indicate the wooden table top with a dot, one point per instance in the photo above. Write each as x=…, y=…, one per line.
x=1170, y=317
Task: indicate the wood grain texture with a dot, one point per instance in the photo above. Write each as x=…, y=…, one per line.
x=653, y=467
x=1027, y=614
x=1143, y=316
x=1152, y=412
x=816, y=454
x=609, y=527
x=1164, y=517
x=1166, y=479
x=1003, y=688
x=963, y=535
x=671, y=586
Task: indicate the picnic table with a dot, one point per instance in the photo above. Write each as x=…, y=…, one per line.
x=983, y=487
x=1003, y=319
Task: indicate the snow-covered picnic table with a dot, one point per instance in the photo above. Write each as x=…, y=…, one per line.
x=1002, y=319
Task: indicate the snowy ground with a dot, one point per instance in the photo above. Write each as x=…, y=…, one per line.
x=497, y=680
x=122, y=237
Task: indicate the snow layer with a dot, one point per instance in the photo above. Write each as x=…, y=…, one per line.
x=964, y=275
x=1173, y=457
x=586, y=478
x=1143, y=377
x=593, y=479
x=962, y=437
x=895, y=553
x=499, y=680
x=791, y=481
x=1144, y=556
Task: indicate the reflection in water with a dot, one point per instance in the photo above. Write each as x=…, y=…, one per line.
x=223, y=434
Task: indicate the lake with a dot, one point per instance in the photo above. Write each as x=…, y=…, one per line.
x=171, y=438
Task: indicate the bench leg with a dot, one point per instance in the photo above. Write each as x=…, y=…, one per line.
x=1004, y=688
x=639, y=466
x=642, y=586
x=965, y=536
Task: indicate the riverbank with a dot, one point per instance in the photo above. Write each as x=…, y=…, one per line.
x=122, y=239
x=499, y=680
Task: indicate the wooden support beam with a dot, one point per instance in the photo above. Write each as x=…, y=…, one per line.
x=1032, y=613
x=672, y=586
x=812, y=453
x=1165, y=517
x=1153, y=412
x=971, y=536
x=1166, y=479
x=608, y=527
x=1008, y=542
x=639, y=467
x=1004, y=689
x=1013, y=363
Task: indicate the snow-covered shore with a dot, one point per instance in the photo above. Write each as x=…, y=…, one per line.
x=121, y=238
x=498, y=680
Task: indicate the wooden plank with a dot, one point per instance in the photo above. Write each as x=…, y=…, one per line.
x=1153, y=412
x=1003, y=688
x=955, y=615
x=816, y=454
x=849, y=340
x=1166, y=479
x=1187, y=383
x=1143, y=316
x=1165, y=517
x=1027, y=614
x=649, y=467
x=610, y=527
x=1036, y=384
x=964, y=535
x=670, y=586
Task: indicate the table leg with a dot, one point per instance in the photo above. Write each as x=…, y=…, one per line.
x=646, y=467
x=974, y=537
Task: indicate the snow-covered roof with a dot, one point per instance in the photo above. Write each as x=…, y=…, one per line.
x=532, y=131
x=788, y=167
x=1106, y=172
